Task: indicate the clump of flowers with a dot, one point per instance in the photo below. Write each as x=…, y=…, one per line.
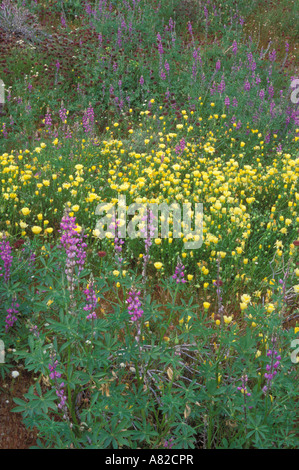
x=11, y=318
x=243, y=387
x=74, y=245
x=91, y=301
x=59, y=387
x=178, y=275
x=272, y=367
x=134, y=304
x=118, y=242
x=6, y=256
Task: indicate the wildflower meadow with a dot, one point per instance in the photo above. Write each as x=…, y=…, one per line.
x=149, y=224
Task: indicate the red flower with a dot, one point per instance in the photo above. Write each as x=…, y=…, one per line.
x=102, y=254
x=18, y=243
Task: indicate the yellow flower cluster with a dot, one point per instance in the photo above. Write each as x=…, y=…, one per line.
x=241, y=202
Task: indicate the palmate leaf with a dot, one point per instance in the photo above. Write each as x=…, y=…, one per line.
x=37, y=404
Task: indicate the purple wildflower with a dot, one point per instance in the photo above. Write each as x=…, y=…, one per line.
x=88, y=120
x=73, y=243
x=226, y=101
x=272, y=367
x=11, y=318
x=168, y=444
x=48, y=119
x=59, y=387
x=118, y=242
x=272, y=55
x=6, y=256
x=91, y=301
x=243, y=388
x=134, y=305
x=178, y=275
x=235, y=47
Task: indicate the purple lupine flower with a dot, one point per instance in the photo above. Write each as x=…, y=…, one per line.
x=235, y=47
x=91, y=301
x=73, y=243
x=118, y=242
x=246, y=85
x=4, y=133
x=253, y=66
x=34, y=329
x=279, y=148
x=178, y=275
x=141, y=81
x=267, y=138
x=160, y=47
x=7, y=257
x=171, y=24
x=63, y=113
x=61, y=395
x=218, y=65
x=226, y=101
x=31, y=259
x=235, y=102
x=11, y=318
x=287, y=47
x=262, y=94
x=48, y=119
x=59, y=387
x=221, y=86
x=243, y=387
x=53, y=372
x=168, y=444
x=271, y=91
x=163, y=75
x=272, y=107
x=180, y=147
x=272, y=55
x=134, y=305
x=88, y=8
x=194, y=71
x=88, y=120
x=272, y=367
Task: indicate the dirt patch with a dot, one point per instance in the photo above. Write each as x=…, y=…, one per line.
x=13, y=433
